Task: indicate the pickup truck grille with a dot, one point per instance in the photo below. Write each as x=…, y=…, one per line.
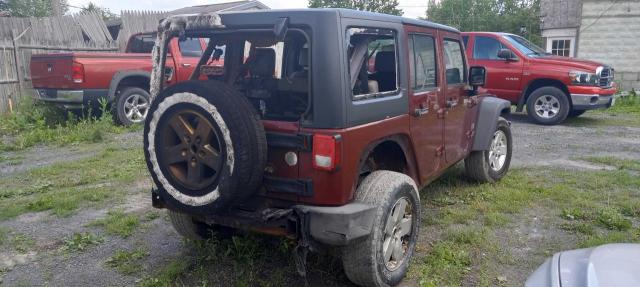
x=606, y=77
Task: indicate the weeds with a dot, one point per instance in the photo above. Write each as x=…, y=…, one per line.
x=118, y=223
x=127, y=262
x=37, y=123
x=22, y=243
x=80, y=242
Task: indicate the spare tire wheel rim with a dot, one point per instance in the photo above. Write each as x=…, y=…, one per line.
x=547, y=106
x=498, y=151
x=397, y=234
x=200, y=145
x=136, y=107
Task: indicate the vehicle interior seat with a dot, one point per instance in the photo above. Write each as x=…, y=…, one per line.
x=385, y=70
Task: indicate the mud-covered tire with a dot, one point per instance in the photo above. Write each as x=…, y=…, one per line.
x=363, y=261
x=478, y=165
x=194, y=230
x=576, y=113
x=127, y=99
x=235, y=143
x=557, y=106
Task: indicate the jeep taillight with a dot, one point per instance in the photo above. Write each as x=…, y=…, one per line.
x=77, y=73
x=326, y=152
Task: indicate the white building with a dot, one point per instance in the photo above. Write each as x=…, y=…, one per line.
x=606, y=31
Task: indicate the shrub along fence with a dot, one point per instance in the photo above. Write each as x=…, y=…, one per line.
x=22, y=37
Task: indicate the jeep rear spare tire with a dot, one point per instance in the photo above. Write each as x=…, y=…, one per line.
x=204, y=145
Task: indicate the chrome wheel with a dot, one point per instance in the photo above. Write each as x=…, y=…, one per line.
x=136, y=108
x=498, y=150
x=547, y=107
x=397, y=233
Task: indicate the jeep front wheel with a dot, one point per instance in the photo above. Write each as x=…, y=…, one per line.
x=492, y=165
x=548, y=106
x=382, y=259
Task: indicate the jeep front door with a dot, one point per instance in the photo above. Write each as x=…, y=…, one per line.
x=455, y=93
x=426, y=100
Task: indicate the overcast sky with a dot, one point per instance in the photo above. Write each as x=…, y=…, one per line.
x=411, y=8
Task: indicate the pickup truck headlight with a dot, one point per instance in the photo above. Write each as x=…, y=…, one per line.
x=582, y=78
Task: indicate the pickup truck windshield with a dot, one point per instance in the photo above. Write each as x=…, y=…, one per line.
x=524, y=46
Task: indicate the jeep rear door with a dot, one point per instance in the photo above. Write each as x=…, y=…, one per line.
x=426, y=100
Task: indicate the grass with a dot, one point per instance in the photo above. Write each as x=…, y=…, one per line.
x=80, y=242
x=615, y=162
x=625, y=112
x=477, y=232
x=22, y=243
x=37, y=123
x=127, y=262
x=118, y=223
x=65, y=187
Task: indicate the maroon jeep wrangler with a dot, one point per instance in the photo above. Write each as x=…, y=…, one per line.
x=321, y=126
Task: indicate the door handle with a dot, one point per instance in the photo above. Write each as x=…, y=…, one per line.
x=451, y=103
x=421, y=111
x=186, y=65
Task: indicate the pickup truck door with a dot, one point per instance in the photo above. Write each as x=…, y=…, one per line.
x=187, y=53
x=426, y=101
x=504, y=78
x=457, y=126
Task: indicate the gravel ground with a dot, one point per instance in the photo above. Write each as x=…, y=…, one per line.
x=46, y=264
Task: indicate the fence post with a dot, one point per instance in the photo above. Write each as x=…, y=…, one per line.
x=19, y=73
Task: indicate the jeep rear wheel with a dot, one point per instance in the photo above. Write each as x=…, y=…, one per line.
x=205, y=146
x=382, y=258
x=548, y=106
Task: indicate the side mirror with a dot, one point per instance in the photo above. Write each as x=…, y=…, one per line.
x=477, y=77
x=507, y=55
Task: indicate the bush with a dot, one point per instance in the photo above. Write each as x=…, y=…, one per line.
x=35, y=123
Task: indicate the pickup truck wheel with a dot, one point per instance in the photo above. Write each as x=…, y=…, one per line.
x=205, y=146
x=575, y=114
x=131, y=106
x=194, y=230
x=492, y=165
x=548, y=106
x=382, y=258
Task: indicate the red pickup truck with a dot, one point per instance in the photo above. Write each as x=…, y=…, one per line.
x=78, y=80
x=552, y=87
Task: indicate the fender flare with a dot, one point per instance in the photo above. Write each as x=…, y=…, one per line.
x=406, y=147
x=489, y=111
x=121, y=75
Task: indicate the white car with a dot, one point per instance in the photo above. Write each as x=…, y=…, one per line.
x=610, y=265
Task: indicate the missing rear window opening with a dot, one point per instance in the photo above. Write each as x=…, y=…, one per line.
x=372, y=61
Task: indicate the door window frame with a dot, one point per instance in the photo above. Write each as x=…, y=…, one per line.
x=412, y=54
x=464, y=61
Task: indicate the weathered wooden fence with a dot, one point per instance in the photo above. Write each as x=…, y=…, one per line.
x=134, y=22
x=22, y=37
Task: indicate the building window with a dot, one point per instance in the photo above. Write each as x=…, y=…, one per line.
x=561, y=47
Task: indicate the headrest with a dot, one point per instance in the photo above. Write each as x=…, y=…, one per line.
x=264, y=62
x=386, y=61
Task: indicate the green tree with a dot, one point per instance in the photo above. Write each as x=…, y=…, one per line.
x=105, y=13
x=519, y=17
x=380, y=6
x=32, y=8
